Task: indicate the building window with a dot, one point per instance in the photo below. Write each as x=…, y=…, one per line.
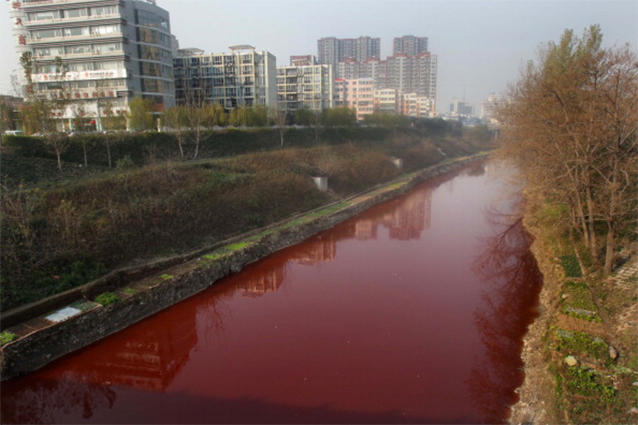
x=76, y=50
x=75, y=13
x=106, y=10
x=105, y=29
x=74, y=32
x=41, y=16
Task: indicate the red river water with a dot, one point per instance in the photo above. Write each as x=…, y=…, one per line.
x=412, y=312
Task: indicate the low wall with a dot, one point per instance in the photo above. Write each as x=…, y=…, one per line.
x=35, y=350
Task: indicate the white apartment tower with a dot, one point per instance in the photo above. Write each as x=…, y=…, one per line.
x=96, y=53
x=306, y=86
x=241, y=77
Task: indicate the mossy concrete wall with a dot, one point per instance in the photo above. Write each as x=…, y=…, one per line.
x=40, y=347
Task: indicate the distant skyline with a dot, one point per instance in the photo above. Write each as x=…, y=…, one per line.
x=481, y=45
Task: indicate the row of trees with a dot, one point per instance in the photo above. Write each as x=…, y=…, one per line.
x=570, y=127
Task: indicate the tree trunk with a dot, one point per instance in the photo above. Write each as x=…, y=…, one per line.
x=609, y=249
x=197, y=139
x=590, y=222
x=580, y=213
x=611, y=225
x=180, y=145
x=86, y=162
x=59, y=154
x=108, y=153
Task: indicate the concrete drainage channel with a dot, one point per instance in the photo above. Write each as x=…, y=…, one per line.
x=72, y=322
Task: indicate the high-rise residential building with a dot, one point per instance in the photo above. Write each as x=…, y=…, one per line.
x=329, y=51
x=304, y=86
x=351, y=69
x=410, y=74
x=410, y=45
x=95, y=53
x=412, y=69
x=241, y=77
x=334, y=50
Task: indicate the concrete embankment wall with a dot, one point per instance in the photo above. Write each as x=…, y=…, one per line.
x=40, y=347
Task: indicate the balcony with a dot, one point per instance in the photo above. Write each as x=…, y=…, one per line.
x=31, y=5
x=93, y=94
x=115, y=36
x=82, y=75
x=63, y=21
x=90, y=54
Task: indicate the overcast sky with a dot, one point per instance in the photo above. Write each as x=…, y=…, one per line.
x=480, y=44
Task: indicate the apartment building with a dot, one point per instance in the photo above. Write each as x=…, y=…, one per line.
x=411, y=69
x=96, y=54
x=241, y=77
x=334, y=50
x=304, y=86
x=410, y=74
x=387, y=100
x=413, y=105
x=410, y=45
x=357, y=94
x=303, y=60
x=352, y=69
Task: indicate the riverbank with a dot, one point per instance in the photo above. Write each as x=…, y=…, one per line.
x=52, y=335
x=60, y=234
x=580, y=354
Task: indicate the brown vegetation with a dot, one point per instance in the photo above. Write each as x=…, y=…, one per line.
x=570, y=127
x=55, y=239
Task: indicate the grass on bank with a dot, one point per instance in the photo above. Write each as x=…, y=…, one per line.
x=69, y=233
x=577, y=302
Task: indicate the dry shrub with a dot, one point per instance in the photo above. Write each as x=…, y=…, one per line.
x=350, y=169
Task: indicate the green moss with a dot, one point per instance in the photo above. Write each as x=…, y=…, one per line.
x=228, y=249
x=107, y=298
x=6, y=337
x=236, y=246
x=167, y=276
x=129, y=291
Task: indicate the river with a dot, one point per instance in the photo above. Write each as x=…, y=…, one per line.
x=412, y=312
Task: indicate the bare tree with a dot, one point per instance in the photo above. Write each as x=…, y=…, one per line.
x=570, y=126
x=174, y=117
x=280, y=119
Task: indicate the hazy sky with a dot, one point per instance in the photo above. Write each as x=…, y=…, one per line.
x=481, y=45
